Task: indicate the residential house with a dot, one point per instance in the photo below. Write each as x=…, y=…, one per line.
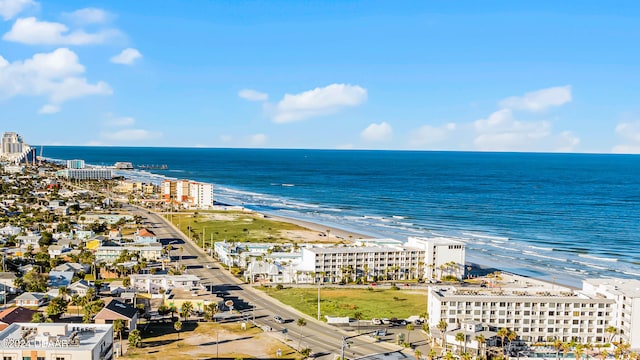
x=57, y=250
x=7, y=280
x=10, y=230
x=26, y=240
x=32, y=299
x=114, y=310
x=145, y=236
x=79, y=287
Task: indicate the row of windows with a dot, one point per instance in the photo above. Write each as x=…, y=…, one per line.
x=528, y=304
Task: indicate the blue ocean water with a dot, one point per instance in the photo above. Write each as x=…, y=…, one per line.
x=553, y=216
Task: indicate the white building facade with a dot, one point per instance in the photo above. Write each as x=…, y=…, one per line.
x=57, y=341
x=443, y=256
x=538, y=313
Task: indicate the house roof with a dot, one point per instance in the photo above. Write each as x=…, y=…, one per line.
x=31, y=296
x=7, y=275
x=146, y=233
x=15, y=314
x=116, y=309
x=60, y=278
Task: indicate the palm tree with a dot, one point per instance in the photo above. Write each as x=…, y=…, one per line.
x=460, y=337
x=118, y=328
x=63, y=292
x=178, y=326
x=566, y=347
x=557, y=344
x=579, y=351
x=481, y=341
x=612, y=331
x=503, y=333
x=186, y=309
x=301, y=322
x=511, y=337
x=305, y=352
x=432, y=354
x=442, y=326
x=358, y=317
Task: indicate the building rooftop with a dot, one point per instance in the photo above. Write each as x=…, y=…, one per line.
x=361, y=249
x=36, y=336
x=627, y=287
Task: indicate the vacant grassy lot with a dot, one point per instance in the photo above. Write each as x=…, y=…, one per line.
x=232, y=226
x=346, y=302
x=204, y=341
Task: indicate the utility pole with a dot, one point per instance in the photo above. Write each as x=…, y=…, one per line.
x=318, y=278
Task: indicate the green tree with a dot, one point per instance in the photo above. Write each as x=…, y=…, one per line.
x=178, y=326
x=305, y=352
x=186, y=309
x=442, y=326
x=57, y=306
x=460, y=337
x=300, y=322
x=358, y=317
x=34, y=282
x=481, y=342
x=134, y=338
x=118, y=328
x=502, y=334
x=210, y=311
x=38, y=317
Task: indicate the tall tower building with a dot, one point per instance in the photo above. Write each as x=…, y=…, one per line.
x=12, y=143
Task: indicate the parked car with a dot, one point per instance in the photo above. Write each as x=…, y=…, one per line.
x=278, y=319
x=386, y=321
x=376, y=321
x=381, y=332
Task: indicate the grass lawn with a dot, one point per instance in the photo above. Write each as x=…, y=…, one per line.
x=232, y=226
x=372, y=303
x=204, y=340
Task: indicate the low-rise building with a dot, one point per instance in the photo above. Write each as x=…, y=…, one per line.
x=154, y=283
x=116, y=309
x=109, y=253
x=59, y=341
x=32, y=299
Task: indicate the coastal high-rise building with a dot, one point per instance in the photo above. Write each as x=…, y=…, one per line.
x=188, y=193
x=85, y=174
x=75, y=164
x=12, y=143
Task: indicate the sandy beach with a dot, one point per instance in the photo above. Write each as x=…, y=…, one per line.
x=319, y=232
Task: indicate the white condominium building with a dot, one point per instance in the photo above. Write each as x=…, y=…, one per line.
x=86, y=174
x=626, y=294
x=443, y=256
x=201, y=194
x=344, y=262
x=56, y=341
x=154, y=283
x=539, y=311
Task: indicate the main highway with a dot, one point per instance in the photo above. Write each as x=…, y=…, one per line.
x=324, y=340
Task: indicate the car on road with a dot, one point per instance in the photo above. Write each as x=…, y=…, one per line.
x=381, y=332
x=208, y=266
x=278, y=319
x=386, y=321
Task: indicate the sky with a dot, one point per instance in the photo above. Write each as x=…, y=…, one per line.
x=541, y=76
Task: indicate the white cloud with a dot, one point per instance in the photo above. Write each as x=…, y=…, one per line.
x=120, y=121
x=49, y=109
x=129, y=135
x=252, y=95
x=127, y=57
x=89, y=16
x=428, y=135
x=377, y=132
x=540, y=99
x=56, y=75
x=501, y=132
x=34, y=32
x=629, y=133
x=319, y=101
x=10, y=8
x=257, y=139
x=567, y=142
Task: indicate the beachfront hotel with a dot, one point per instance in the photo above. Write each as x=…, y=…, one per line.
x=538, y=311
x=387, y=258
x=56, y=341
x=85, y=174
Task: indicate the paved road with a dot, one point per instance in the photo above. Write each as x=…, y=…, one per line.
x=324, y=340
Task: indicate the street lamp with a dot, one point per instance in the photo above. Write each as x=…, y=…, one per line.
x=318, y=278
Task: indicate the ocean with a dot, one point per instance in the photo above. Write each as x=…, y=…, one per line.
x=559, y=217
